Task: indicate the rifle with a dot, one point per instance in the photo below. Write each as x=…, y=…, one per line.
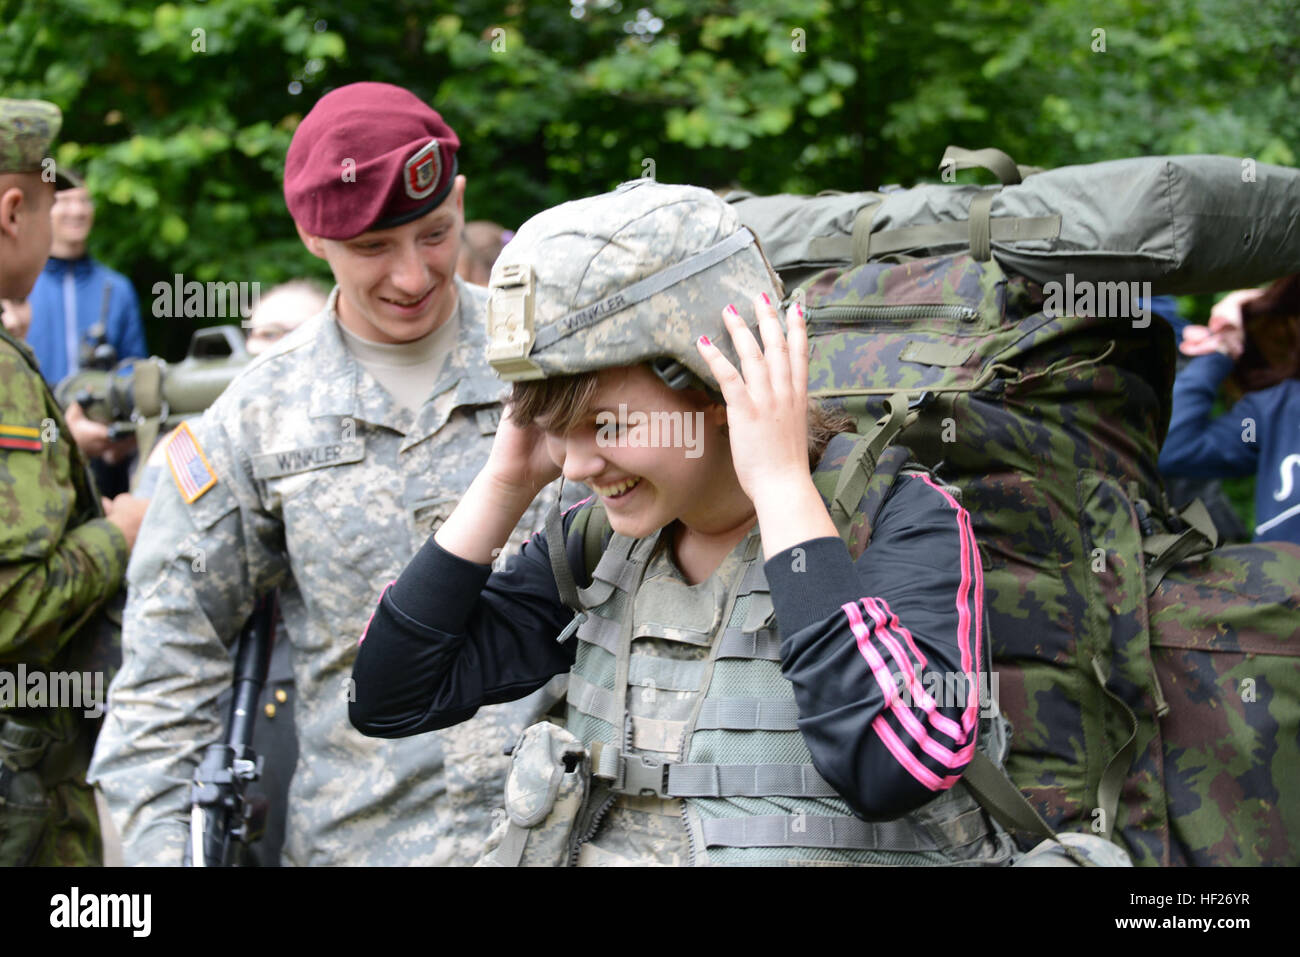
x=221, y=815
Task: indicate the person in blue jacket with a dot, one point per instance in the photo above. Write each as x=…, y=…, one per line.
x=75, y=292
x=1259, y=435
x=1183, y=491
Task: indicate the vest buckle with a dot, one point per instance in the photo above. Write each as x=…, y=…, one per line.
x=642, y=776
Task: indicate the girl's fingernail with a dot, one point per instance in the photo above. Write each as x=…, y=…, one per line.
x=799, y=306
x=732, y=309
x=766, y=300
x=705, y=340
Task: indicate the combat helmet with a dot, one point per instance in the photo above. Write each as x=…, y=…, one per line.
x=633, y=276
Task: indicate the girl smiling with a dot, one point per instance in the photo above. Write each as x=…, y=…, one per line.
x=742, y=688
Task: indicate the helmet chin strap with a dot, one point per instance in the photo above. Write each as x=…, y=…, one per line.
x=677, y=376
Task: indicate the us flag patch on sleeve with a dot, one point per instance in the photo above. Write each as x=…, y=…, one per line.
x=189, y=466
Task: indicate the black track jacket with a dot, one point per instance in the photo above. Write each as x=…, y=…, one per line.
x=875, y=648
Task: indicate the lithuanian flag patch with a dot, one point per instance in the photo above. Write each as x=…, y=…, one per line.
x=189, y=465
x=23, y=437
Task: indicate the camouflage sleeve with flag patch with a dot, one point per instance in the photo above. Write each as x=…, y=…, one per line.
x=206, y=549
x=55, y=569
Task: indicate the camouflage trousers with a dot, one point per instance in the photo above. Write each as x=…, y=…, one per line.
x=48, y=816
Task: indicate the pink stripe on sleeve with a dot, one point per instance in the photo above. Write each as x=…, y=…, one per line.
x=900, y=710
x=969, y=592
x=574, y=508
x=366, y=630
x=876, y=663
x=971, y=718
x=908, y=760
x=915, y=690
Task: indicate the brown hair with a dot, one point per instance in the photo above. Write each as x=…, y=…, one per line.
x=1272, y=337
x=560, y=404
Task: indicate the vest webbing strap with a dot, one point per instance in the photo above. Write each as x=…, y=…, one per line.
x=781, y=830
x=746, y=780
x=644, y=774
x=614, y=563
x=615, y=568
x=511, y=849
x=749, y=714
x=604, y=633
x=861, y=462
x=665, y=674
x=764, y=645
x=594, y=701
x=755, y=580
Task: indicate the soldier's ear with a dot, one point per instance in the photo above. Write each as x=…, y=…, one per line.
x=11, y=207
x=313, y=243
x=458, y=190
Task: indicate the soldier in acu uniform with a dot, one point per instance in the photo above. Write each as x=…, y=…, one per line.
x=319, y=472
x=61, y=556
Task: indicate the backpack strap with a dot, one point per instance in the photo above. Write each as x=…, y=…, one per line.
x=564, y=583
x=980, y=228
x=593, y=525
x=1007, y=805
x=555, y=547
x=1164, y=551
x=595, y=533
x=994, y=160
x=855, y=485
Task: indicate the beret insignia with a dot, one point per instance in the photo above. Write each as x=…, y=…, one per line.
x=423, y=171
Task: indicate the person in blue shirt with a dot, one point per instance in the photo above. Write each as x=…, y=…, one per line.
x=73, y=293
x=1181, y=489
x=1259, y=436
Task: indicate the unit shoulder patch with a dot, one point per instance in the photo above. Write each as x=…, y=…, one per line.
x=188, y=464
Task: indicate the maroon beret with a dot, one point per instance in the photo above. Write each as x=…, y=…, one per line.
x=368, y=156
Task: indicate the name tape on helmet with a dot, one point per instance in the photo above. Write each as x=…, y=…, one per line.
x=640, y=291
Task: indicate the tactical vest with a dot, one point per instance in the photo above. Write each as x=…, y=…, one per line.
x=720, y=732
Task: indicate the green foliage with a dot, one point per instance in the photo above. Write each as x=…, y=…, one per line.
x=181, y=113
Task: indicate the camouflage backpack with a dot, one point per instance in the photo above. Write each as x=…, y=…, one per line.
x=1151, y=679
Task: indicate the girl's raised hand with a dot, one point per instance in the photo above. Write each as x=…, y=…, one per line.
x=767, y=399
x=519, y=457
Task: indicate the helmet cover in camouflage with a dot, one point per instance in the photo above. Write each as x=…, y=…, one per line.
x=635, y=275
x=27, y=128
